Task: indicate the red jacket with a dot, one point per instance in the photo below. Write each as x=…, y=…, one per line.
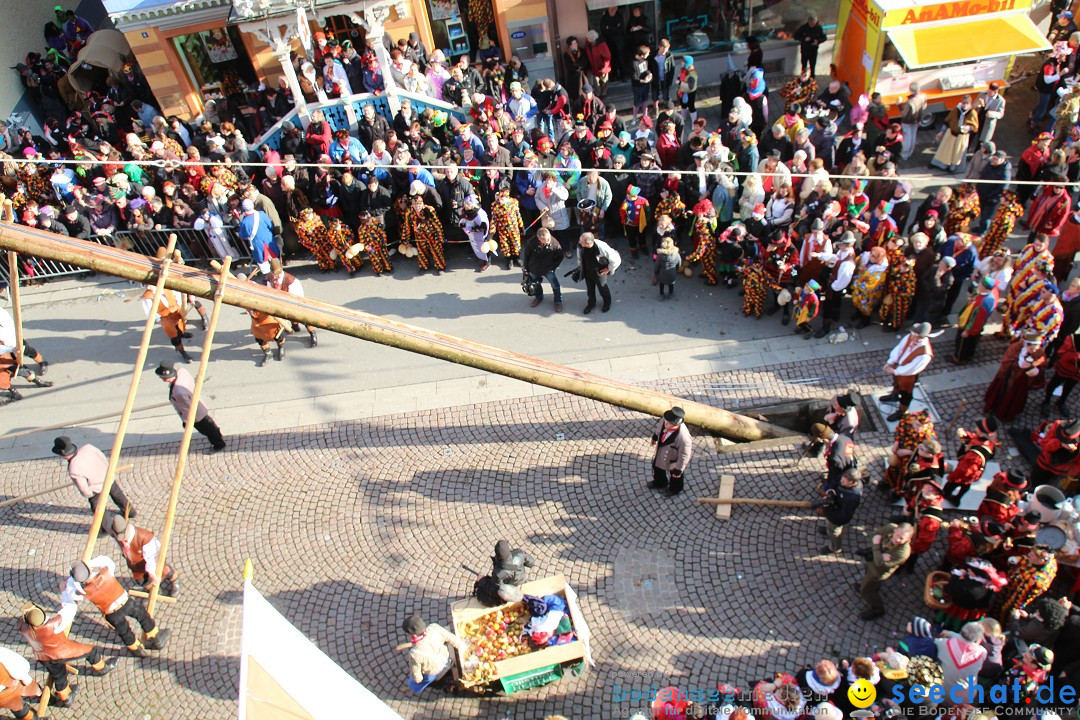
x=1049, y=211
x=1067, y=364
x=599, y=57
x=972, y=463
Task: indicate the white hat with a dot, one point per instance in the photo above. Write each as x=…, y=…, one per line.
x=417, y=187
x=247, y=205
x=826, y=711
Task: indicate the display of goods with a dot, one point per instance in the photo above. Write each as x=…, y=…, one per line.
x=493, y=637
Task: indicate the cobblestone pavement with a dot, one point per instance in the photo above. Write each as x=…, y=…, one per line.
x=354, y=525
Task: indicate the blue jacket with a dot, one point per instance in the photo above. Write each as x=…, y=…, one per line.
x=257, y=230
x=355, y=150
x=423, y=176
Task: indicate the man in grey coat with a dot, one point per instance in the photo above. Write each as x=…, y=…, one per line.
x=674, y=446
x=181, y=386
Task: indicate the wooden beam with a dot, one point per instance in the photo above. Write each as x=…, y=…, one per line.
x=185, y=441
x=125, y=415
x=73, y=423
x=16, y=304
x=346, y=321
x=57, y=488
x=755, y=501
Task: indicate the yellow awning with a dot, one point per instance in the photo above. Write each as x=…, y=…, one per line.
x=967, y=41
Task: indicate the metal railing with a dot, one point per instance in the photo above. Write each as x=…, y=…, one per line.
x=197, y=247
x=33, y=269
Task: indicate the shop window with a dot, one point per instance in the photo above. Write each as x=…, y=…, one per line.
x=773, y=16
x=214, y=58
x=457, y=25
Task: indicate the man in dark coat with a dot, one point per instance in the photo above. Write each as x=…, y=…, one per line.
x=539, y=258
x=838, y=507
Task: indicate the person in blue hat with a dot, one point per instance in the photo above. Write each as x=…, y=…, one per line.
x=687, y=90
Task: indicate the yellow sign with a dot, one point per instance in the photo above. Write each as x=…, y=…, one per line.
x=952, y=11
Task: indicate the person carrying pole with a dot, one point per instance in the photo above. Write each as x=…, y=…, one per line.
x=96, y=581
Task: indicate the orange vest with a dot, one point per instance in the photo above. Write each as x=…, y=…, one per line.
x=11, y=697
x=48, y=645
x=103, y=590
x=168, y=303
x=133, y=553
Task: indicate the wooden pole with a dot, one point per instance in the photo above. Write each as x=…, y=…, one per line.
x=58, y=488
x=16, y=304
x=125, y=415
x=73, y=423
x=143, y=594
x=185, y=441
x=755, y=501
x=365, y=326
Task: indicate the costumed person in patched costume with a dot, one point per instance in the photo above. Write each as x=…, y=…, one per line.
x=670, y=203
x=285, y=282
x=314, y=236
x=977, y=448
x=802, y=90
x=140, y=548
x=1038, y=308
x=729, y=253
x=1021, y=369
x=909, y=358
x=964, y=209
x=807, y=308
x=17, y=685
x=868, y=287
x=372, y=236
x=423, y=230
x=972, y=319
x=1000, y=503
x=96, y=581
x=913, y=429
x=47, y=637
x=705, y=243
x=1030, y=575
x=634, y=214
x=900, y=285
x=1009, y=210
x=430, y=658
x=755, y=288
x=507, y=226
x=341, y=239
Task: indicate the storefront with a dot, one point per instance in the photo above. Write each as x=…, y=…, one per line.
x=951, y=49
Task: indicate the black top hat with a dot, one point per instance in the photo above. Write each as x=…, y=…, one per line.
x=63, y=446
x=675, y=415
x=166, y=369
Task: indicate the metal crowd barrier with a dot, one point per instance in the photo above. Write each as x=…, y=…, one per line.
x=195, y=246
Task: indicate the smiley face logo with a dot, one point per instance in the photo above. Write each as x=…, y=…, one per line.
x=862, y=693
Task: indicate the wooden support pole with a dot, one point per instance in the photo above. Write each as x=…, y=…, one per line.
x=125, y=415
x=73, y=423
x=755, y=501
x=16, y=304
x=185, y=441
x=143, y=594
x=57, y=488
x=384, y=331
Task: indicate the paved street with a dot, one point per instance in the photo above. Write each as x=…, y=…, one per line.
x=367, y=483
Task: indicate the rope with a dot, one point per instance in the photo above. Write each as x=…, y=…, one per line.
x=470, y=168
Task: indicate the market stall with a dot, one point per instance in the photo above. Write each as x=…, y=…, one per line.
x=951, y=49
x=513, y=647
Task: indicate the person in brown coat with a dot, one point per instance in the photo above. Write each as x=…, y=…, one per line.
x=674, y=447
x=96, y=581
x=52, y=647
x=16, y=685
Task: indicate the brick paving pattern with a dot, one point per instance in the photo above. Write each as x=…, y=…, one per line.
x=352, y=526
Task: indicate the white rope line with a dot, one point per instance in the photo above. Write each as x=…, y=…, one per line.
x=470, y=168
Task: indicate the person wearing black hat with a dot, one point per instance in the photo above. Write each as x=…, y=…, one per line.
x=839, y=452
x=1059, y=450
x=181, y=387
x=1000, y=502
x=429, y=657
x=909, y=358
x=843, y=415
x=674, y=448
x=47, y=637
x=96, y=581
x=977, y=448
x=86, y=466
